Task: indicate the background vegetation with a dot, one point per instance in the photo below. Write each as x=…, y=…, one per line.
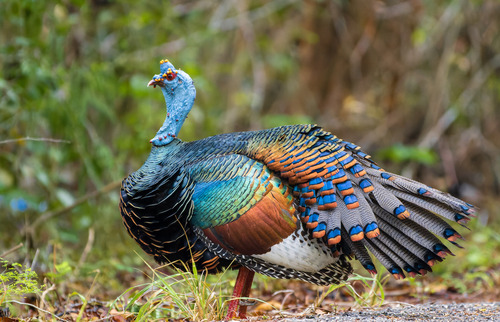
x=416, y=83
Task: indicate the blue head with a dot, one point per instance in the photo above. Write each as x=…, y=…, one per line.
x=179, y=92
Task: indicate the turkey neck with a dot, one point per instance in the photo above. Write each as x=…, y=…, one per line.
x=179, y=101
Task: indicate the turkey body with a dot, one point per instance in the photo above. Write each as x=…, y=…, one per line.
x=289, y=202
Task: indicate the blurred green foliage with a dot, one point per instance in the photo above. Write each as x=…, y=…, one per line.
x=402, y=153
x=419, y=77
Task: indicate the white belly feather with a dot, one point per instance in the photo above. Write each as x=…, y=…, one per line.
x=300, y=252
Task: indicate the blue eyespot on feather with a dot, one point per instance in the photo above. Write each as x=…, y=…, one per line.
x=385, y=175
x=422, y=191
x=344, y=185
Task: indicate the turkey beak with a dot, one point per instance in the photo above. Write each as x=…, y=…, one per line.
x=154, y=82
x=157, y=81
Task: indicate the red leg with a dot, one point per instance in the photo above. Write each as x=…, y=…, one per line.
x=242, y=288
x=247, y=287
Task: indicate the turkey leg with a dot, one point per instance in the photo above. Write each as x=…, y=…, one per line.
x=242, y=288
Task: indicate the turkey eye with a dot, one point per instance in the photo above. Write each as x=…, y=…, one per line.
x=170, y=75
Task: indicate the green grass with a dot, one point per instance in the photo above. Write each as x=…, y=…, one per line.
x=180, y=295
x=198, y=297
x=372, y=290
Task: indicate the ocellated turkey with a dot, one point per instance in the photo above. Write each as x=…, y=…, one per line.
x=292, y=202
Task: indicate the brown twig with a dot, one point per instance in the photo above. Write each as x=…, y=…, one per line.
x=44, y=294
x=13, y=249
x=34, y=139
x=87, y=249
x=37, y=308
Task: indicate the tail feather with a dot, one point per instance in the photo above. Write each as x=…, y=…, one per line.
x=410, y=218
x=443, y=198
x=423, y=254
x=410, y=262
x=323, y=217
x=431, y=205
x=389, y=202
x=406, y=219
x=368, y=220
x=384, y=257
x=415, y=232
x=334, y=224
x=418, y=190
x=359, y=251
x=351, y=222
x=396, y=252
x=433, y=223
